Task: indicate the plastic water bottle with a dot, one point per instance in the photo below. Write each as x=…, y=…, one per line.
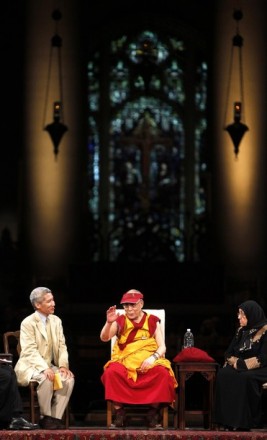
x=188, y=339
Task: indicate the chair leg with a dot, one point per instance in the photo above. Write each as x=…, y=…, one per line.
x=67, y=417
x=165, y=414
x=32, y=401
x=109, y=413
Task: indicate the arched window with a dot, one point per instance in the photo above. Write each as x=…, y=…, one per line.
x=147, y=162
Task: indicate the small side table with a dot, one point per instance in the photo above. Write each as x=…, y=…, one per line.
x=183, y=372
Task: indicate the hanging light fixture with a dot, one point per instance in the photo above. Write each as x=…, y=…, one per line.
x=236, y=129
x=57, y=128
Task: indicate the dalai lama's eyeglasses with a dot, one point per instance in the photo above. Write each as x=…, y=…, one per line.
x=132, y=305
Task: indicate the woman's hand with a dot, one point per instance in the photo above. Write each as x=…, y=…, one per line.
x=232, y=361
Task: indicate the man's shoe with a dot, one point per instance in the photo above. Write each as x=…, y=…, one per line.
x=19, y=423
x=153, y=419
x=119, y=421
x=48, y=422
x=60, y=424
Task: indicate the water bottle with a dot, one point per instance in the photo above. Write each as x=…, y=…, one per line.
x=188, y=339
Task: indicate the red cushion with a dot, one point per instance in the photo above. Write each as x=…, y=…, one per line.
x=193, y=354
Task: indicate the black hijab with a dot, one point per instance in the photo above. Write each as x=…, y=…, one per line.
x=256, y=319
x=254, y=314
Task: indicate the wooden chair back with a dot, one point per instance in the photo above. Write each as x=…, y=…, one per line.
x=11, y=344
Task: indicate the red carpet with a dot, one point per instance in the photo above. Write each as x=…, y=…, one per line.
x=130, y=434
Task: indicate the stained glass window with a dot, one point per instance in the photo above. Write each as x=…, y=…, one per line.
x=147, y=165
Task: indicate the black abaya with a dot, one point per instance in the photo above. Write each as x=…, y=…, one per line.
x=239, y=382
x=238, y=397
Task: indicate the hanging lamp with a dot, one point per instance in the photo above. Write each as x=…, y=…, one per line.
x=237, y=128
x=57, y=128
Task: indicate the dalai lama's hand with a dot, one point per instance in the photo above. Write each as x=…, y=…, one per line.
x=146, y=364
x=112, y=314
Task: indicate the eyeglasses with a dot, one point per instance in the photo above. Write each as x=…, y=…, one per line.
x=132, y=305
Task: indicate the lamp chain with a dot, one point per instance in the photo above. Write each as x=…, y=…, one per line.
x=241, y=83
x=237, y=43
x=60, y=83
x=47, y=84
x=56, y=43
x=228, y=85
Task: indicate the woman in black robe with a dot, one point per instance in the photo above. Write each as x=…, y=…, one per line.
x=238, y=394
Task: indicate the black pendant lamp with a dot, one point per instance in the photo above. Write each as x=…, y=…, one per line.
x=237, y=128
x=57, y=128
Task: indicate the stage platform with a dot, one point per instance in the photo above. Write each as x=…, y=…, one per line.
x=131, y=434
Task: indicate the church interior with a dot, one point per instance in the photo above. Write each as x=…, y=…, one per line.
x=133, y=155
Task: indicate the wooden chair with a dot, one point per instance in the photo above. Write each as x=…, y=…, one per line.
x=161, y=314
x=11, y=342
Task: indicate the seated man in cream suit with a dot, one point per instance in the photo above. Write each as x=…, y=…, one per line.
x=43, y=353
